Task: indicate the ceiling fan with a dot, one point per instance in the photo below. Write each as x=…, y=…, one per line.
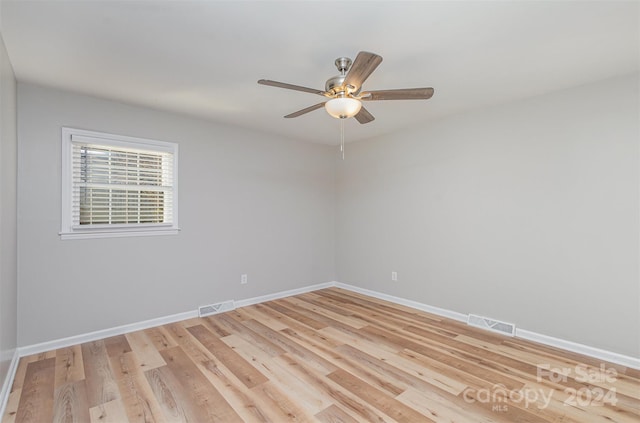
x=345, y=93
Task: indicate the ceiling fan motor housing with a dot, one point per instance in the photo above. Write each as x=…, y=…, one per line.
x=335, y=85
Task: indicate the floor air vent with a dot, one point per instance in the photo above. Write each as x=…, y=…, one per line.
x=492, y=325
x=216, y=308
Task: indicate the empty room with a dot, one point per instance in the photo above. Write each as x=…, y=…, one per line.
x=319, y=211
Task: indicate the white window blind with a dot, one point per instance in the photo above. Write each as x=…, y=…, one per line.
x=119, y=184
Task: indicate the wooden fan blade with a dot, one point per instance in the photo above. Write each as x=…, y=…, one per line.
x=290, y=86
x=400, y=94
x=362, y=67
x=307, y=110
x=364, y=116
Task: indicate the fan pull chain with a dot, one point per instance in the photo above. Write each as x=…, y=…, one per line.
x=342, y=137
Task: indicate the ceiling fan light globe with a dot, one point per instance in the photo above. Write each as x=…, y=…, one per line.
x=343, y=107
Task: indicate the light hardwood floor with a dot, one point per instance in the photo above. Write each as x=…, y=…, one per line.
x=326, y=356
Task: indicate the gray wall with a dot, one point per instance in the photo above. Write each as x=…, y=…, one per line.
x=526, y=212
x=249, y=203
x=8, y=225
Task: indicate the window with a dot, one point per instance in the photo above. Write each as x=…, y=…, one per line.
x=117, y=186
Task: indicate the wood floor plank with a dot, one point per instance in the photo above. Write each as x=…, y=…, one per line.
x=333, y=392
x=402, y=315
x=214, y=326
x=36, y=399
x=325, y=303
x=463, y=361
x=241, y=314
x=109, y=412
x=264, y=318
x=160, y=338
x=69, y=365
x=11, y=409
x=283, y=318
x=238, y=328
x=300, y=317
x=281, y=405
x=290, y=303
x=624, y=385
x=439, y=409
x=71, y=404
x=169, y=394
x=590, y=410
x=145, y=351
x=469, y=349
x=341, y=316
x=516, y=410
x=293, y=378
x=362, y=305
x=388, y=405
x=279, y=374
x=136, y=395
x=239, y=367
x=117, y=345
x=444, y=381
x=330, y=355
x=248, y=406
x=389, y=320
x=233, y=389
x=21, y=371
x=380, y=373
x=100, y=383
x=334, y=414
x=291, y=346
x=315, y=341
x=201, y=395
x=363, y=343
x=441, y=364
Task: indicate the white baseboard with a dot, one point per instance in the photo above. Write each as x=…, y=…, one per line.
x=8, y=381
x=594, y=352
x=104, y=333
x=587, y=350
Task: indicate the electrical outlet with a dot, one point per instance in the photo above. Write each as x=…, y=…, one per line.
x=394, y=276
x=243, y=279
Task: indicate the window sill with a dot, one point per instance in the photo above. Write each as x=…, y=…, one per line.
x=116, y=234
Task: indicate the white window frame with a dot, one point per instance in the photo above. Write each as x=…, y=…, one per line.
x=68, y=229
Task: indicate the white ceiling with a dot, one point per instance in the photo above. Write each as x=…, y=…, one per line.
x=203, y=58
